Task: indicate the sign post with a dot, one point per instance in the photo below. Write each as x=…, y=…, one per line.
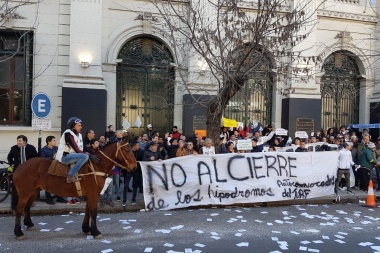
x=41, y=106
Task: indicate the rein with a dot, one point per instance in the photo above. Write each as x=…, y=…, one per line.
x=117, y=151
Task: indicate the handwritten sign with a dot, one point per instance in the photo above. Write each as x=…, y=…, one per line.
x=244, y=144
x=227, y=179
x=281, y=131
x=302, y=135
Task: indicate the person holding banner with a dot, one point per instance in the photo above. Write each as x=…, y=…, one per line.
x=256, y=148
x=188, y=150
x=302, y=147
x=208, y=149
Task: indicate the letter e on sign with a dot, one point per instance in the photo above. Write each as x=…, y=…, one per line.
x=41, y=105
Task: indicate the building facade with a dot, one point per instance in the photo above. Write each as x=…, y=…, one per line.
x=105, y=61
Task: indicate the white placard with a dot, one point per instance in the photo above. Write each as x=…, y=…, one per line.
x=302, y=135
x=281, y=131
x=41, y=124
x=126, y=124
x=227, y=179
x=244, y=144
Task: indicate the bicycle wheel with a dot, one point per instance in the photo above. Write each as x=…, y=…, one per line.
x=4, y=188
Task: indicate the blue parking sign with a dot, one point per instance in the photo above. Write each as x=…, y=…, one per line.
x=41, y=105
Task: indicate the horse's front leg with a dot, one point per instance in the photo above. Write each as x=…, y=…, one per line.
x=86, y=221
x=27, y=219
x=92, y=205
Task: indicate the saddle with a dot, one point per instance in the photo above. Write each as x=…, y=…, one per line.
x=61, y=170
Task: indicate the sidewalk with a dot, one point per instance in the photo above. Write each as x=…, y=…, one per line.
x=41, y=208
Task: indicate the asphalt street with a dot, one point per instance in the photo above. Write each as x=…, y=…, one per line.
x=300, y=228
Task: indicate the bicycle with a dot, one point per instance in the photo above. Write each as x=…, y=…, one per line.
x=5, y=181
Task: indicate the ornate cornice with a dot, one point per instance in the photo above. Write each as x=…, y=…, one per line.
x=346, y=15
x=254, y=5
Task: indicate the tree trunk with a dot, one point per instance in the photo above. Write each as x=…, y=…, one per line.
x=213, y=127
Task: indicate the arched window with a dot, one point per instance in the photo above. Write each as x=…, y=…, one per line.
x=340, y=86
x=145, y=84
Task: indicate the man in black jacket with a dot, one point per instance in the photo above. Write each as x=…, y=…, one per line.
x=20, y=153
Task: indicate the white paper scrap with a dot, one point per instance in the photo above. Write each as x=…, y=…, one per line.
x=340, y=241
x=325, y=237
x=90, y=237
x=365, y=244
x=42, y=223
x=276, y=232
x=70, y=221
x=167, y=214
x=274, y=239
x=168, y=245
x=106, y=241
x=294, y=232
x=339, y=236
x=214, y=214
x=105, y=219
x=188, y=250
x=215, y=237
x=242, y=244
x=209, y=219
x=270, y=224
x=137, y=231
x=238, y=234
x=58, y=229
x=317, y=241
x=107, y=250
x=200, y=245
x=199, y=231
x=148, y=249
x=313, y=250
x=45, y=230
x=127, y=227
x=303, y=248
x=214, y=233
x=343, y=233
x=305, y=242
x=177, y=227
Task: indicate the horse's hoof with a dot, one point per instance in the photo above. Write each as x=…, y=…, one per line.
x=99, y=236
x=31, y=228
x=22, y=237
x=87, y=233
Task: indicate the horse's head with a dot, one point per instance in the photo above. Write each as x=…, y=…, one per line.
x=124, y=155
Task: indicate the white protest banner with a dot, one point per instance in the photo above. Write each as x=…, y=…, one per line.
x=281, y=131
x=227, y=179
x=244, y=144
x=126, y=124
x=301, y=134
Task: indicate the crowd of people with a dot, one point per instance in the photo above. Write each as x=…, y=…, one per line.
x=357, y=154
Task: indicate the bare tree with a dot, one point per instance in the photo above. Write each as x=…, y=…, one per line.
x=232, y=38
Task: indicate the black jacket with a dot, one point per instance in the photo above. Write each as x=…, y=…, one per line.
x=14, y=157
x=148, y=153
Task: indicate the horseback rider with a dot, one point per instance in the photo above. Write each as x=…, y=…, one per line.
x=70, y=149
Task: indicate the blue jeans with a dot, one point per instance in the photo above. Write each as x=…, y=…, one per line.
x=78, y=158
x=116, y=183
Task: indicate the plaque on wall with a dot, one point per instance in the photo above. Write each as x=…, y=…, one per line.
x=305, y=124
x=199, y=123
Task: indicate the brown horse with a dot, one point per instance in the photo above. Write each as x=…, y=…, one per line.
x=32, y=176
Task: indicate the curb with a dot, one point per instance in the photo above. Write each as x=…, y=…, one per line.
x=41, y=208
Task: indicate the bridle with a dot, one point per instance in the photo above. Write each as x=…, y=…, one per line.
x=119, y=146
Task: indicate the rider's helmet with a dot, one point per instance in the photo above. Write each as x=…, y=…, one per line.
x=72, y=121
